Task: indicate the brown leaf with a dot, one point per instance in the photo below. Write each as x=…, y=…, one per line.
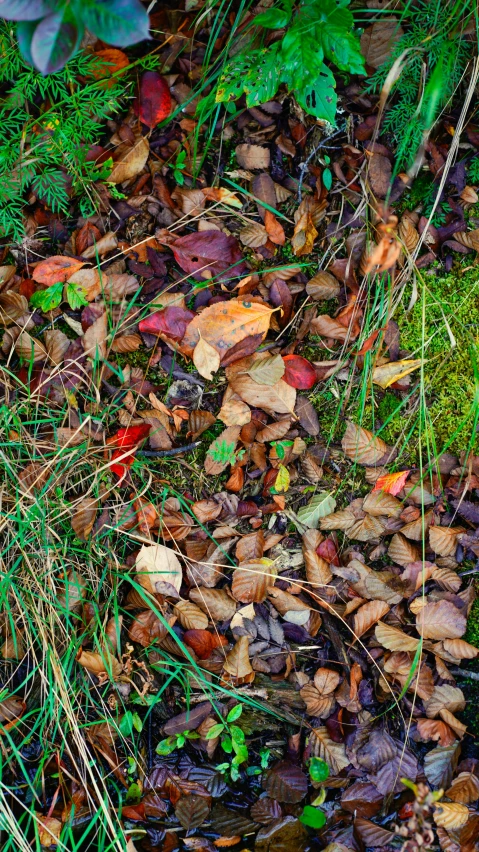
x=372, y=835
x=206, y=359
x=286, y=782
x=450, y=815
x=445, y=697
x=29, y=348
x=464, y=788
x=56, y=268
x=146, y=628
x=49, y=830
x=393, y=639
x=443, y=540
x=250, y=547
x=379, y=39
x=274, y=229
x=323, y=746
x=199, y=421
x=84, y=517
x=159, y=569
x=368, y=615
x=191, y=811
x=263, y=189
x=203, y=642
x=402, y=551
x=94, y=339
x=435, y=729
x=361, y=446
x=252, y=156
x=326, y=680
x=253, y=235
x=323, y=286
x=304, y=235
x=131, y=160
x=460, y=649
x=279, y=398
x=190, y=616
x=56, y=344
x=383, y=256
x=237, y=663
x=251, y=580
x=267, y=370
x=217, y=603
x=228, y=437
x=379, y=173
x=470, y=239
x=440, y=620
x=99, y=664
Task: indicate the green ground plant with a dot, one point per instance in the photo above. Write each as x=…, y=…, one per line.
x=315, y=32
x=435, y=50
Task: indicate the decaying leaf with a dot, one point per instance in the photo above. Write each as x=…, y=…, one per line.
x=159, y=570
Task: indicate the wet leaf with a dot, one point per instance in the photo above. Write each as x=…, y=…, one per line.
x=191, y=811
x=286, y=782
x=209, y=253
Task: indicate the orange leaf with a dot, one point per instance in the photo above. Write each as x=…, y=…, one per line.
x=55, y=269
x=203, y=642
x=274, y=229
x=391, y=483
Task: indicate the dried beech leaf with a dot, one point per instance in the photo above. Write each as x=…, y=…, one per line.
x=251, y=580
x=450, y=815
x=445, y=697
x=190, y=616
x=393, y=639
x=84, y=517
x=367, y=615
x=464, y=788
x=443, y=540
x=362, y=446
x=323, y=286
x=191, y=811
x=158, y=569
x=401, y=551
x=327, y=749
x=237, y=663
x=440, y=620
x=216, y=603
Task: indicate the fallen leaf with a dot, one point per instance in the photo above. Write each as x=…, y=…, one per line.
x=225, y=324
x=209, y=254
x=299, y=372
x=279, y=398
x=252, y=156
x=319, y=506
x=172, y=321
x=203, y=642
x=251, y=580
x=440, y=620
x=304, y=235
x=84, y=517
x=274, y=229
x=206, y=359
x=323, y=286
x=392, y=483
x=158, y=569
x=367, y=615
x=154, y=99
x=361, y=446
x=450, y=815
x=131, y=160
x=55, y=269
x=286, y=782
x=394, y=371
x=237, y=663
x=267, y=370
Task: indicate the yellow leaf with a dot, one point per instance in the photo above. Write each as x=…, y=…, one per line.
x=206, y=359
x=394, y=371
x=304, y=235
x=282, y=480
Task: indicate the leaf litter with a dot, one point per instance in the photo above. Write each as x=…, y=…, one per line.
x=278, y=635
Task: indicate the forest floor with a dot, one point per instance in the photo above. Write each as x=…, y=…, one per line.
x=239, y=511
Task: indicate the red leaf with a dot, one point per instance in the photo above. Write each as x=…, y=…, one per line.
x=392, y=483
x=203, y=642
x=134, y=812
x=210, y=252
x=299, y=373
x=170, y=321
x=328, y=551
x=154, y=104
x=127, y=439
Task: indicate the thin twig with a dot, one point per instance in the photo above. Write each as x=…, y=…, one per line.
x=175, y=451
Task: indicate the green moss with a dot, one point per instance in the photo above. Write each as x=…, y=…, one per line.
x=446, y=311
x=472, y=632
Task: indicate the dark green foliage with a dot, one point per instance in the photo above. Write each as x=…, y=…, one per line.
x=47, y=125
x=317, y=31
x=438, y=53
x=50, y=31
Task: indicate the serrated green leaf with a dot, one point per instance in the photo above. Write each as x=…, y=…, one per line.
x=318, y=96
x=342, y=48
x=319, y=506
x=318, y=769
x=49, y=299
x=234, y=713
